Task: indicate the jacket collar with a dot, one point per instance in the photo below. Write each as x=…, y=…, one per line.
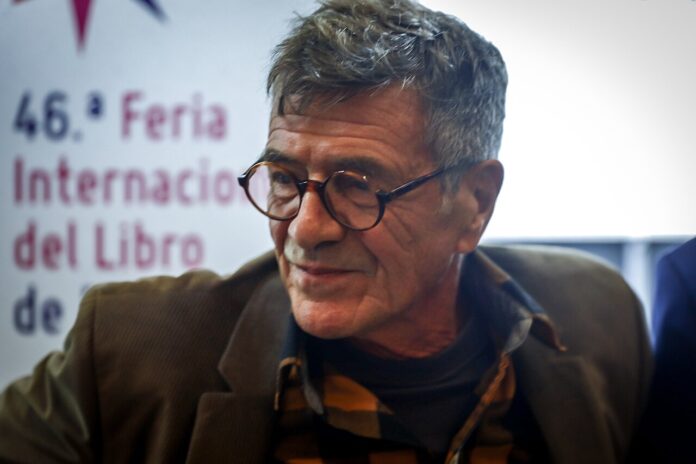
x=237, y=425
x=259, y=336
x=563, y=395
x=556, y=383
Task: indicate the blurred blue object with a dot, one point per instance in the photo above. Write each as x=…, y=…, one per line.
x=671, y=418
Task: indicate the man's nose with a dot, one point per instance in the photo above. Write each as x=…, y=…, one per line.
x=313, y=224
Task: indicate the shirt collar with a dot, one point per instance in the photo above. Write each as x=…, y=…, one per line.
x=511, y=313
x=294, y=363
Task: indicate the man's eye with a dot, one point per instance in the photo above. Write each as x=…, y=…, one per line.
x=352, y=185
x=358, y=185
x=281, y=178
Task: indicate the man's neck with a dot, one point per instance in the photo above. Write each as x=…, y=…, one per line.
x=425, y=330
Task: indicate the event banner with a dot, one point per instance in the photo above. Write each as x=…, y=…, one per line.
x=123, y=128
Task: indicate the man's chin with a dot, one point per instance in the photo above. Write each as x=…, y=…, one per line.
x=323, y=321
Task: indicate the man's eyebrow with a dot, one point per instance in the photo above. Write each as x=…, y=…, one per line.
x=276, y=157
x=359, y=164
x=364, y=165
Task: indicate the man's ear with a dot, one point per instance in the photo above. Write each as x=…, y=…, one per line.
x=480, y=185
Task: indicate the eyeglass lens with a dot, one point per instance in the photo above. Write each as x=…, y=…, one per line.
x=349, y=197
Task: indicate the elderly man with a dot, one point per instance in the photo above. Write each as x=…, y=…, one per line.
x=378, y=331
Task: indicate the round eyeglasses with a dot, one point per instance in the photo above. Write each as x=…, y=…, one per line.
x=349, y=197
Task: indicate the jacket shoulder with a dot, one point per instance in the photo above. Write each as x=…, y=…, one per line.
x=133, y=369
x=194, y=281
x=588, y=300
x=601, y=323
x=194, y=309
x=160, y=340
x=551, y=261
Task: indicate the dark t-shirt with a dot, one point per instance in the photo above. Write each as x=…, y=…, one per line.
x=431, y=397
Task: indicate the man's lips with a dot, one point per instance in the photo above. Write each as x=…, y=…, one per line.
x=318, y=269
x=319, y=280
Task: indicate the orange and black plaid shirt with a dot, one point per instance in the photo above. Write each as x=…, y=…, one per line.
x=326, y=417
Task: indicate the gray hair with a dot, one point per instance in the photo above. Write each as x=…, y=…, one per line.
x=351, y=46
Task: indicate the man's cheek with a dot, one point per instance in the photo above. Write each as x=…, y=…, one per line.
x=278, y=230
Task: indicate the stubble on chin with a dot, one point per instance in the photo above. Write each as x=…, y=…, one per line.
x=319, y=319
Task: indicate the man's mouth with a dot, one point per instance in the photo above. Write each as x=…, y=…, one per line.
x=319, y=279
x=317, y=269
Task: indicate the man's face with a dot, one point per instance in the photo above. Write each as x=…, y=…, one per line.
x=375, y=283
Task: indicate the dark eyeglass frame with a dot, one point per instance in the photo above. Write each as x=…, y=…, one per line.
x=383, y=197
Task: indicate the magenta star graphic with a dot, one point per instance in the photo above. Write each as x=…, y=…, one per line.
x=81, y=9
x=80, y=14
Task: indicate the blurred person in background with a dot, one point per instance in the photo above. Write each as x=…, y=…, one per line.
x=671, y=420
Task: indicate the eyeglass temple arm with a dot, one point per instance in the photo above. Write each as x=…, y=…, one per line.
x=408, y=186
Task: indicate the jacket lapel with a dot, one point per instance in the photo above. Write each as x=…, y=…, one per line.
x=559, y=389
x=235, y=426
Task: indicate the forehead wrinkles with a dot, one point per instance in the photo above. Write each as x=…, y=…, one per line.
x=340, y=149
x=399, y=136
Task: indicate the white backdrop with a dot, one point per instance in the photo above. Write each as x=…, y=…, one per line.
x=118, y=156
x=599, y=136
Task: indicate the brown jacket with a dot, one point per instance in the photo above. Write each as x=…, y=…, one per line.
x=183, y=369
